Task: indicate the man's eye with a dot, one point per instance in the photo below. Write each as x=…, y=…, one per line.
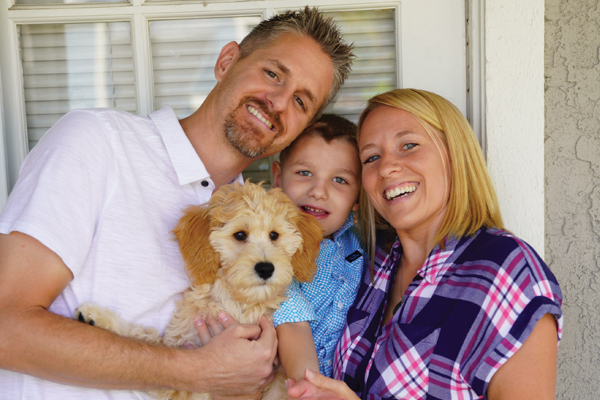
x=304, y=173
x=337, y=179
x=371, y=159
x=300, y=102
x=271, y=74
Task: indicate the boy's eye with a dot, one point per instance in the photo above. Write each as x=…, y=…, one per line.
x=371, y=159
x=304, y=173
x=337, y=179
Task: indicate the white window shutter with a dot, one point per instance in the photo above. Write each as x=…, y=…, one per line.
x=70, y=66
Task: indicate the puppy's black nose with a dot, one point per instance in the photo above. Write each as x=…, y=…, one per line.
x=264, y=269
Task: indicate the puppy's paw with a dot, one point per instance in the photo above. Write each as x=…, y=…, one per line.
x=95, y=315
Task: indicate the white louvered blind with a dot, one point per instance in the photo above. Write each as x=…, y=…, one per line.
x=184, y=53
x=374, y=71
x=44, y=2
x=69, y=66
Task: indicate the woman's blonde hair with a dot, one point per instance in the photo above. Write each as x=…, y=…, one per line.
x=472, y=201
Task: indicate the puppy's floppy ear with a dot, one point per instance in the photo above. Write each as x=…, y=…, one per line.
x=304, y=260
x=193, y=231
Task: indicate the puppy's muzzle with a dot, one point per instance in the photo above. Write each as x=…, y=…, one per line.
x=264, y=269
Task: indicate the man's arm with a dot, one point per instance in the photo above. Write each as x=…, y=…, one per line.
x=297, y=349
x=37, y=342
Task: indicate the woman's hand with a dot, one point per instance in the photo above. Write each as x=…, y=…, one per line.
x=319, y=387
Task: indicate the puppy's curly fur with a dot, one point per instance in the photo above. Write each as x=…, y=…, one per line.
x=241, y=251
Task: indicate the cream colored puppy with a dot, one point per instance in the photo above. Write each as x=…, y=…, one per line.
x=241, y=251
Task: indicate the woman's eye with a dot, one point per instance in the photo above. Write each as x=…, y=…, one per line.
x=409, y=146
x=240, y=236
x=371, y=159
x=337, y=179
x=271, y=74
x=304, y=173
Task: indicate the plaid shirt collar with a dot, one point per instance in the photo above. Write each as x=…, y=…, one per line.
x=436, y=264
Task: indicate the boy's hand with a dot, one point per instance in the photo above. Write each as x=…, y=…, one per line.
x=203, y=324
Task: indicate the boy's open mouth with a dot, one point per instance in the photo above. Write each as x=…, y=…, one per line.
x=314, y=211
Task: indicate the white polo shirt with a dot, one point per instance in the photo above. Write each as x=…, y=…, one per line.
x=104, y=189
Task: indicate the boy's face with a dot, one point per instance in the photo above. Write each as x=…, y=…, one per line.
x=322, y=179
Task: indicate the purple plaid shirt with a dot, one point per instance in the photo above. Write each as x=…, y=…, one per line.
x=470, y=308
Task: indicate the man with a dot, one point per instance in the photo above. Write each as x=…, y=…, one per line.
x=90, y=219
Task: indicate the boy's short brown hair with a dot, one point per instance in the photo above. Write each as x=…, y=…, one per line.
x=328, y=127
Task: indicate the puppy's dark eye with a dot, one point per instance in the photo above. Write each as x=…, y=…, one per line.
x=241, y=236
x=274, y=235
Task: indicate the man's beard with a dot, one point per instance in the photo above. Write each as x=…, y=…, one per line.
x=247, y=139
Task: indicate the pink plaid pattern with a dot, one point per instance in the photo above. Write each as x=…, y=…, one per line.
x=471, y=307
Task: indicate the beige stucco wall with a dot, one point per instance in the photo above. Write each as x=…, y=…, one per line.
x=572, y=186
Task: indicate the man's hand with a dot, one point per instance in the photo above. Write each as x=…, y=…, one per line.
x=239, y=358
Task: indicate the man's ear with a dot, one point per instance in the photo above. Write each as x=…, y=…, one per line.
x=228, y=56
x=276, y=174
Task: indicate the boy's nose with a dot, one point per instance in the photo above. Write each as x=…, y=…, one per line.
x=318, y=191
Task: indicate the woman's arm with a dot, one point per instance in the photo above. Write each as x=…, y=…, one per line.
x=531, y=372
x=297, y=349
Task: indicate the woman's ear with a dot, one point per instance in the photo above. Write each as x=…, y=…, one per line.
x=193, y=232
x=276, y=174
x=229, y=54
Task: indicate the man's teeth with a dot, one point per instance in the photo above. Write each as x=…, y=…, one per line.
x=315, y=210
x=398, y=192
x=258, y=115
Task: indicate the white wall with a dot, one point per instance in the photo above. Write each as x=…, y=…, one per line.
x=514, y=117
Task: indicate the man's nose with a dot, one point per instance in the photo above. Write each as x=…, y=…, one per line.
x=280, y=98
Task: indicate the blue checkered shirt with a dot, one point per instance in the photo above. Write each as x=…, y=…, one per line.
x=325, y=301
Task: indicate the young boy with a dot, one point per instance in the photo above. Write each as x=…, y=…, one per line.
x=320, y=172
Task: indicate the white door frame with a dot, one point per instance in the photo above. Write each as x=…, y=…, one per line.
x=3, y=161
x=507, y=102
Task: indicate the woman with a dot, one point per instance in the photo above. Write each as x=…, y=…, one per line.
x=454, y=307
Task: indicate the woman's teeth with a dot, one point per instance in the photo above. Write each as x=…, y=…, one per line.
x=258, y=115
x=399, y=192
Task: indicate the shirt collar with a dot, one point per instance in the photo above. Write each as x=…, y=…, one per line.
x=347, y=225
x=437, y=262
x=188, y=166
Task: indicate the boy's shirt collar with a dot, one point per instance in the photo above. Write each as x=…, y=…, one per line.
x=347, y=225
